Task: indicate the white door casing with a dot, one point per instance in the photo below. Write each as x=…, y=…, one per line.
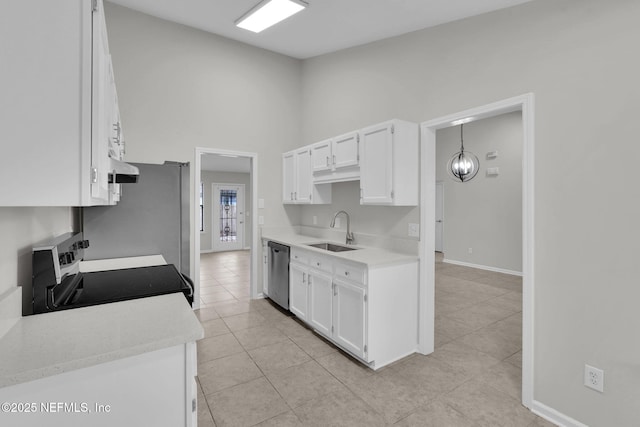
x=439, y=216
x=524, y=103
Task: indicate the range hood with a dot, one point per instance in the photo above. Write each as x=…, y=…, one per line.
x=122, y=173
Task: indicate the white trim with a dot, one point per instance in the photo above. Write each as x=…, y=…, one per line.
x=195, y=243
x=524, y=103
x=482, y=267
x=207, y=251
x=554, y=416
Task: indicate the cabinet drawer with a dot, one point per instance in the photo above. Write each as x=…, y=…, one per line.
x=350, y=272
x=299, y=256
x=320, y=263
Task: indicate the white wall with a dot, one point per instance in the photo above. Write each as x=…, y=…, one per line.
x=484, y=214
x=208, y=178
x=578, y=57
x=181, y=88
x=20, y=229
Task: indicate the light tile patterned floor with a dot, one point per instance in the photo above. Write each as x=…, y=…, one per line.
x=260, y=366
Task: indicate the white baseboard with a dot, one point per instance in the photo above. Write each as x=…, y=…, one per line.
x=206, y=251
x=554, y=416
x=483, y=267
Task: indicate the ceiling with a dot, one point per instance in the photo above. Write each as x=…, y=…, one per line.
x=218, y=163
x=324, y=26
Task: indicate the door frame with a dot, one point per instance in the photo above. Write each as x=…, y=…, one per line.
x=441, y=184
x=195, y=230
x=213, y=216
x=525, y=104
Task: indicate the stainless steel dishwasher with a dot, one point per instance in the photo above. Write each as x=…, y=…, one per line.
x=279, y=274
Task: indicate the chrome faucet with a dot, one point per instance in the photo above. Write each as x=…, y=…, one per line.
x=349, y=239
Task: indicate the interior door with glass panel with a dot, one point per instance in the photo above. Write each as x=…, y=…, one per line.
x=228, y=217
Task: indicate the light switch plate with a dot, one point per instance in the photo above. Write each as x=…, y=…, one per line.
x=414, y=230
x=260, y=220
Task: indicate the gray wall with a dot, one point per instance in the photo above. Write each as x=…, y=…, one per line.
x=208, y=178
x=181, y=88
x=577, y=56
x=484, y=214
x=20, y=229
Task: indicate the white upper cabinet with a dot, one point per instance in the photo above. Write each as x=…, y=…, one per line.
x=297, y=182
x=336, y=159
x=58, y=105
x=345, y=150
x=321, y=155
x=389, y=168
x=303, y=188
x=288, y=176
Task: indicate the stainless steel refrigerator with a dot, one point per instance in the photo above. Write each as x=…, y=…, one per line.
x=152, y=217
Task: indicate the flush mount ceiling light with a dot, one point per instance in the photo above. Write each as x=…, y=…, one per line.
x=464, y=165
x=269, y=12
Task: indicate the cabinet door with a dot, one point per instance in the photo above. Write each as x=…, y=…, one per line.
x=376, y=164
x=265, y=269
x=298, y=291
x=320, y=297
x=288, y=177
x=345, y=150
x=349, y=311
x=302, y=190
x=102, y=110
x=321, y=156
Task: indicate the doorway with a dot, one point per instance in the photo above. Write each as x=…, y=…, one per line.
x=228, y=217
x=214, y=166
x=525, y=104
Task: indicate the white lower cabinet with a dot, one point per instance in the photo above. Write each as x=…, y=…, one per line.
x=298, y=291
x=349, y=317
x=320, y=296
x=370, y=312
x=265, y=268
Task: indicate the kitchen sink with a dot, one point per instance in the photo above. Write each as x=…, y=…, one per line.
x=332, y=247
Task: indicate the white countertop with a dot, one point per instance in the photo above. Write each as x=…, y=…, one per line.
x=51, y=343
x=370, y=256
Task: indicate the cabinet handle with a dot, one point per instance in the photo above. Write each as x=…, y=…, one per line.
x=309, y=281
x=346, y=273
x=292, y=195
x=327, y=160
x=334, y=159
x=304, y=277
x=318, y=264
x=295, y=195
x=335, y=290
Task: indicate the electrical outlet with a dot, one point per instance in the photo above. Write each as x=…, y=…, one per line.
x=594, y=378
x=315, y=220
x=337, y=223
x=414, y=230
x=260, y=220
x=470, y=250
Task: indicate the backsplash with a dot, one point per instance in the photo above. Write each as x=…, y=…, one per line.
x=383, y=221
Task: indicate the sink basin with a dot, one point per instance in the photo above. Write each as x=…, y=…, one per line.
x=332, y=247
